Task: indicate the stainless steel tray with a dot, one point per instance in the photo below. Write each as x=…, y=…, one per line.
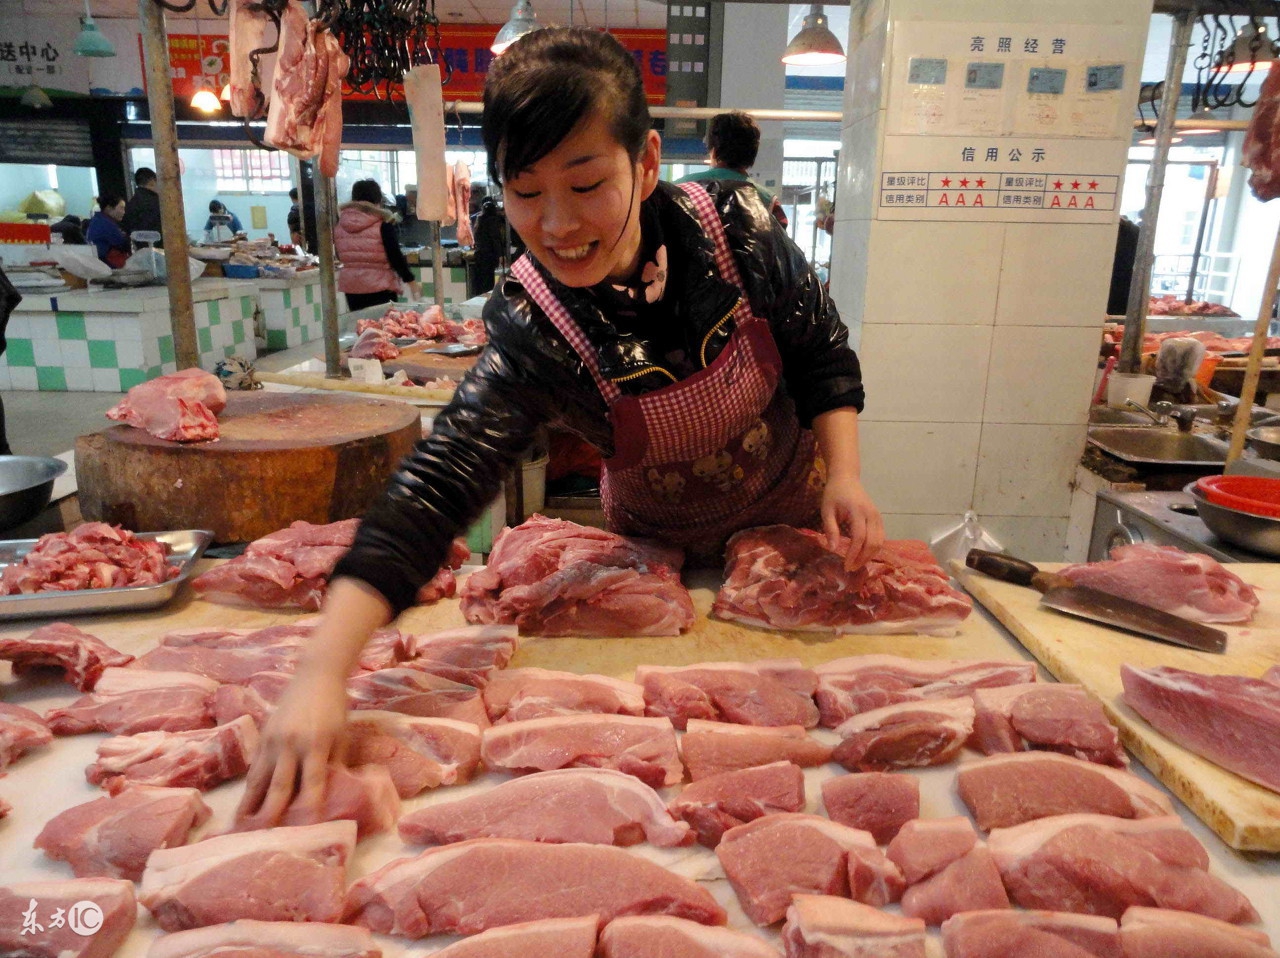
x=185, y=547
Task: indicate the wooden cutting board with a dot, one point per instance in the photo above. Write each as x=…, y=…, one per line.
x=417, y=363
x=1245, y=816
x=280, y=457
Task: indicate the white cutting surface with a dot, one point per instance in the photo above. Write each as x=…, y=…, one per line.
x=48, y=781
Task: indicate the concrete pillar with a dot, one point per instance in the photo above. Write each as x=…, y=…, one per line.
x=752, y=75
x=979, y=326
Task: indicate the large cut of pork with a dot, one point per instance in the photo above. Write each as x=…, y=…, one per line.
x=1005, y=933
x=228, y=655
x=199, y=759
x=877, y=802
x=514, y=695
x=658, y=936
x=784, y=578
x=20, y=730
x=643, y=747
x=414, y=692
x=365, y=795
x=709, y=748
x=471, y=654
x=1054, y=716
x=125, y=701
x=822, y=926
x=558, y=937
x=249, y=938
x=419, y=753
x=769, y=692
x=716, y=804
x=182, y=406
x=906, y=735
x=52, y=919
x=554, y=577
x=1166, y=933
x=486, y=882
x=1232, y=720
x=284, y=874
x=81, y=656
x=1261, y=149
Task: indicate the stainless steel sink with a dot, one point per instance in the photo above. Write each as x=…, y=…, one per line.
x=1165, y=446
x=1106, y=416
x=1210, y=413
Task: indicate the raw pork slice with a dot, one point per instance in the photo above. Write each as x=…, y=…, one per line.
x=643, y=747
x=228, y=655
x=656, y=936
x=81, y=656
x=772, y=858
x=514, y=695
x=906, y=735
x=59, y=937
x=877, y=802
x=486, y=882
x=284, y=874
x=714, y=805
x=255, y=697
x=199, y=759
x=709, y=748
x=1004, y=933
x=20, y=731
x=469, y=655
x=1053, y=716
x=784, y=578
x=970, y=883
x=247, y=938
x=746, y=693
x=859, y=683
x=112, y=837
x=1259, y=151
x=554, y=577
x=1187, y=584
x=413, y=692
x=1005, y=790
x=1165, y=933
x=559, y=937
x=925, y=846
x=181, y=406
x=125, y=701
x=1100, y=865
x=1232, y=720
x=364, y=795
x=820, y=926
x=593, y=805
x=419, y=753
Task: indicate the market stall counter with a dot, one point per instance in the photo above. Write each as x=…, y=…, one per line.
x=291, y=309
x=111, y=340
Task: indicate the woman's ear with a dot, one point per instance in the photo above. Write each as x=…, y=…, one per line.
x=650, y=164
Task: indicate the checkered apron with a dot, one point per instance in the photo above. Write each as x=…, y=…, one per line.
x=720, y=451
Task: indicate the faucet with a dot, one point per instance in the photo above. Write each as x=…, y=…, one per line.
x=1161, y=412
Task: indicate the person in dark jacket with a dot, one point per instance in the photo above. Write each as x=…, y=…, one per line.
x=374, y=269
x=219, y=208
x=677, y=330
x=143, y=209
x=733, y=141
x=71, y=229
x=105, y=234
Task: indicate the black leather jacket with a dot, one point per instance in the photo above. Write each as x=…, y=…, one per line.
x=529, y=376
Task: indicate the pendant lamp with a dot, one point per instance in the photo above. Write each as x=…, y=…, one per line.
x=91, y=42
x=226, y=92
x=523, y=20
x=1251, y=50
x=35, y=98
x=815, y=44
x=204, y=100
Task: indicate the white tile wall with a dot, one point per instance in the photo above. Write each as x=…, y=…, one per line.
x=925, y=373
x=849, y=275
x=915, y=526
x=19, y=326
x=1041, y=374
x=22, y=377
x=857, y=181
x=5, y=382
x=1055, y=277
x=99, y=327
x=865, y=70
x=129, y=353
x=919, y=467
x=1027, y=470
x=105, y=380
x=75, y=353
x=1034, y=538
x=46, y=352
x=933, y=272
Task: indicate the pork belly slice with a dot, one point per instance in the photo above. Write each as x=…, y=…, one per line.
x=111, y=837
x=365, y=795
x=414, y=692
x=772, y=858
x=1231, y=720
x=255, y=697
x=860, y=683
x=643, y=747
x=711, y=748
x=820, y=926
x=970, y=883
x=876, y=802
x=232, y=660
x=289, y=873
x=486, y=882
x=592, y=805
x=1052, y=716
x=419, y=753
x=745, y=693
x=81, y=656
x=906, y=735
x=126, y=701
x=515, y=695
x=1165, y=933
x=1100, y=865
x=200, y=759
x=1005, y=933
x=469, y=655
x=1004, y=790
x=714, y=805
x=561, y=937
x=657, y=936
x=247, y=938
x=58, y=937
x=20, y=731
x=925, y=846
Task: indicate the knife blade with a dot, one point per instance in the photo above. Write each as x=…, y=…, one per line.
x=1063, y=595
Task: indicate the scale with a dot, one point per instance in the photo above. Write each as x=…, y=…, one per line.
x=220, y=231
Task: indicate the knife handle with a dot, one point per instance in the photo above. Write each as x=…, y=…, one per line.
x=1008, y=569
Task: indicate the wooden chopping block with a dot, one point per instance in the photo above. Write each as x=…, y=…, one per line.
x=281, y=457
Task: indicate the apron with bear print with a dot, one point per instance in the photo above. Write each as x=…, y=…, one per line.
x=720, y=451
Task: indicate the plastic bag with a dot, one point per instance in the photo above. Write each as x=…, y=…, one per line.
x=956, y=543
x=80, y=261
x=153, y=261
x=48, y=202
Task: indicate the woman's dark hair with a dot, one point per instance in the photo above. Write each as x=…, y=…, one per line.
x=216, y=206
x=366, y=191
x=735, y=139
x=107, y=200
x=550, y=80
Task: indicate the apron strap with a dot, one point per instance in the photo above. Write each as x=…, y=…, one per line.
x=714, y=229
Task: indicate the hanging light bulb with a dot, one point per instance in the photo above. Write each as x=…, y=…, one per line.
x=1251, y=51
x=815, y=44
x=35, y=98
x=226, y=93
x=205, y=100
x=1151, y=141
x=523, y=20
x=91, y=42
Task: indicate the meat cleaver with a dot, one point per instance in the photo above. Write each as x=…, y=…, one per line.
x=1063, y=595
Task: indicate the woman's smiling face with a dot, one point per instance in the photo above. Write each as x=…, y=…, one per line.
x=578, y=208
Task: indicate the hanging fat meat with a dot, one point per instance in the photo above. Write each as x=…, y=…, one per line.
x=1261, y=142
x=462, y=199
x=305, y=117
x=250, y=26
x=426, y=114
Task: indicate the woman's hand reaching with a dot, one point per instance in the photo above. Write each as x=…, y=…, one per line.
x=846, y=506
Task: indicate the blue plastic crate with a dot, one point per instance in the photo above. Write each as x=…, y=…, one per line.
x=239, y=271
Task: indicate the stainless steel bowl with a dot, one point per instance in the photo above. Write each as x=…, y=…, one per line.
x=26, y=485
x=1259, y=534
x=1265, y=441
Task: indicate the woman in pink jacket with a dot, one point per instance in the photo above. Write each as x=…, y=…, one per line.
x=373, y=268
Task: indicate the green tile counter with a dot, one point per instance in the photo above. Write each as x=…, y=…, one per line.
x=111, y=340
x=291, y=309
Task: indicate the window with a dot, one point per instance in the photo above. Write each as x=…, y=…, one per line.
x=252, y=171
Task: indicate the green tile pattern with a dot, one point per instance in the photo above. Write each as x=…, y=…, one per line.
x=102, y=354
x=20, y=353
x=70, y=325
x=51, y=378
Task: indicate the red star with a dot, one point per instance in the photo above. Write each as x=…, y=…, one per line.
x=1075, y=184
x=1093, y=184
x=946, y=181
x=980, y=183
x=1057, y=184
x=964, y=183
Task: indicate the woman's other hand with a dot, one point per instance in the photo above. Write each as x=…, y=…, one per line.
x=846, y=506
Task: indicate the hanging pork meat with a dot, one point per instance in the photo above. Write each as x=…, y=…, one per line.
x=426, y=112
x=250, y=28
x=462, y=198
x=1261, y=152
x=305, y=116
